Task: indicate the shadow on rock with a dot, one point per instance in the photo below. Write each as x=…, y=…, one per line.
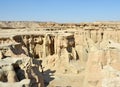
x=48, y=76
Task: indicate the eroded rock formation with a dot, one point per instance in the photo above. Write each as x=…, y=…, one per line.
x=63, y=55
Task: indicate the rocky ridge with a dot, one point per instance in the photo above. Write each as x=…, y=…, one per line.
x=60, y=54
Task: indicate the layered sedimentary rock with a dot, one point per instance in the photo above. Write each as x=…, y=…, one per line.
x=48, y=54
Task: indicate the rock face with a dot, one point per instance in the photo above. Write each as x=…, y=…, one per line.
x=47, y=54
x=22, y=83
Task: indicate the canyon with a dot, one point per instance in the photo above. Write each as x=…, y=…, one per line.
x=49, y=54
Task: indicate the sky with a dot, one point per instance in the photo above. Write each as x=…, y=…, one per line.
x=60, y=10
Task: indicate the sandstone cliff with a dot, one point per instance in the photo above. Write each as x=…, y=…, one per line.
x=75, y=55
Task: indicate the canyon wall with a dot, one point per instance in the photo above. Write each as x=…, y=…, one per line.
x=83, y=55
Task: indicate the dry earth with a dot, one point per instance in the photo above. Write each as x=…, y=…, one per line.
x=48, y=54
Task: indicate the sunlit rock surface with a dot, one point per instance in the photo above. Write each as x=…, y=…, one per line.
x=48, y=54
